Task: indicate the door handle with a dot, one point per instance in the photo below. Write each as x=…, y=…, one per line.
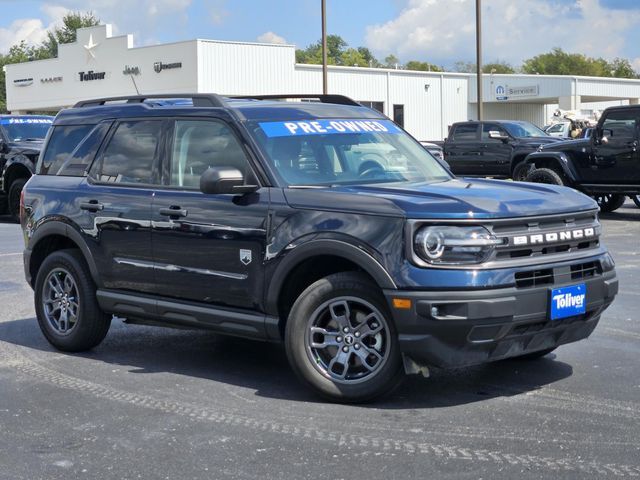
x=91, y=206
x=173, y=211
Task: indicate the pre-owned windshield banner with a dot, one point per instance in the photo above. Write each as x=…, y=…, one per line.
x=327, y=127
x=12, y=121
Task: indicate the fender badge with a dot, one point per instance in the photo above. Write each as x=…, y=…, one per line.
x=245, y=256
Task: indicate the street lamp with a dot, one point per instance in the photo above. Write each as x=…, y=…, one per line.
x=325, y=88
x=478, y=57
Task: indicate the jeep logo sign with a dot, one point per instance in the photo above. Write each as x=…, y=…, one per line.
x=553, y=237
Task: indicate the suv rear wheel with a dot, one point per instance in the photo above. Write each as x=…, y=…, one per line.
x=66, y=305
x=609, y=202
x=521, y=171
x=545, y=175
x=341, y=341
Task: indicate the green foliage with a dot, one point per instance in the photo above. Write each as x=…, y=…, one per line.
x=23, y=52
x=67, y=33
x=498, y=67
x=423, y=66
x=559, y=62
x=391, y=61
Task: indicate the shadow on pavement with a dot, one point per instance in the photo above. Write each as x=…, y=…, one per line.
x=263, y=367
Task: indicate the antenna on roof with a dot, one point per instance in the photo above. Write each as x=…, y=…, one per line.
x=134, y=84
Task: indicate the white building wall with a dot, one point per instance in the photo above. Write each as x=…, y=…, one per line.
x=110, y=55
x=234, y=68
x=530, y=112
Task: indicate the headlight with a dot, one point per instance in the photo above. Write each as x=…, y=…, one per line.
x=450, y=245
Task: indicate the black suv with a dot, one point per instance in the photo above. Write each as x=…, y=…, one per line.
x=493, y=148
x=21, y=138
x=605, y=166
x=322, y=225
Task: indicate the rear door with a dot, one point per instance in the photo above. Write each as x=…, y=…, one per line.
x=616, y=156
x=115, y=202
x=208, y=247
x=496, y=153
x=462, y=149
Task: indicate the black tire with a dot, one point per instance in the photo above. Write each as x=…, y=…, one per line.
x=636, y=200
x=536, y=355
x=56, y=317
x=609, y=202
x=521, y=171
x=14, y=197
x=314, y=356
x=545, y=175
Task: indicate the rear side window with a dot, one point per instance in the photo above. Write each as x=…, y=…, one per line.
x=63, y=140
x=130, y=155
x=80, y=159
x=465, y=132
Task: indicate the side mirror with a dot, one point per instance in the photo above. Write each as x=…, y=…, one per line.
x=497, y=136
x=224, y=180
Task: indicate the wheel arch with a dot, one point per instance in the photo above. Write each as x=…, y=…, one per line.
x=53, y=236
x=557, y=161
x=313, y=260
x=14, y=170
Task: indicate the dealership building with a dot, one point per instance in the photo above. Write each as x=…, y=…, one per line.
x=99, y=64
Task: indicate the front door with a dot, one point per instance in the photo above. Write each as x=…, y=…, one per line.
x=616, y=156
x=208, y=248
x=496, y=153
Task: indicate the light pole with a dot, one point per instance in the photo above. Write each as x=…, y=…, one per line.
x=478, y=56
x=325, y=88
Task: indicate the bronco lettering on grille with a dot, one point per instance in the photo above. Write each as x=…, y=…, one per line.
x=553, y=237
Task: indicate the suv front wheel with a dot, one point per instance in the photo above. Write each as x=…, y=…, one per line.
x=608, y=202
x=341, y=341
x=66, y=305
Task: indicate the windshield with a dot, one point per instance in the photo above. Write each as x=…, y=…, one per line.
x=524, y=129
x=329, y=152
x=26, y=129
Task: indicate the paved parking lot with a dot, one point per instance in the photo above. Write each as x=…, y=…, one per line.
x=162, y=403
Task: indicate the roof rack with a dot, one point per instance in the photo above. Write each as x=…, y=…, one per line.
x=198, y=99
x=324, y=98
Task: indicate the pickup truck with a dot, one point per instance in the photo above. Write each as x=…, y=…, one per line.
x=495, y=148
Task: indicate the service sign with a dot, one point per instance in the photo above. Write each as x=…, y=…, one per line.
x=327, y=127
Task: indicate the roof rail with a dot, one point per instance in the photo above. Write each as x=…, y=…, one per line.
x=324, y=98
x=198, y=99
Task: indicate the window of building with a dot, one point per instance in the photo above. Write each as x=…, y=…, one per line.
x=398, y=115
x=379, y=106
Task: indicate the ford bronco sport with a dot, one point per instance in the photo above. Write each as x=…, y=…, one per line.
x=322, y=225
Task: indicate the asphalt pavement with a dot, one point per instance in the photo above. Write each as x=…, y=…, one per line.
x=158, y=403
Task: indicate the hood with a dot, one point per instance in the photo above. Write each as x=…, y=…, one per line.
x=565, y=144
x=538, y=140
x=30, y=147
x=460, y=198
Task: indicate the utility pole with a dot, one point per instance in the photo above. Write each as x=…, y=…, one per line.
x=478, y=56
x=325, y=88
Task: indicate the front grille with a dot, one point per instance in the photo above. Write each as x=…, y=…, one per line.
x=585, y=270
x=545, y=237
x=534, y=278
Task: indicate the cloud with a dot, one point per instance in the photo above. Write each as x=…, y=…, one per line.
x=270, y=37
x=443, y=31
x=31, y=30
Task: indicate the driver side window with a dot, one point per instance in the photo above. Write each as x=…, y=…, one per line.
x=200, y=144
x=621, y=124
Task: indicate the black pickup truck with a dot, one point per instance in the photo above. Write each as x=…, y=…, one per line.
x=495, y=148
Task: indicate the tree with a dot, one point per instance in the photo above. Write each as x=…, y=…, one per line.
x=368, y=57
x=423, y=66
x=498, y=67
x=559, y=62
x=71, y=22
x=621, y=68
x=313, y=53
x=391, y=61
x=352, y=57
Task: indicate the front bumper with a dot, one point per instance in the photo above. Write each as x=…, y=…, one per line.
x=459, y=328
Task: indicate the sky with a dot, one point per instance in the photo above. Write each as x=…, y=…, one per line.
x=438, y=31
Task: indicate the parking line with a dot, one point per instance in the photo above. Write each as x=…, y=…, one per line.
x=9, y=254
